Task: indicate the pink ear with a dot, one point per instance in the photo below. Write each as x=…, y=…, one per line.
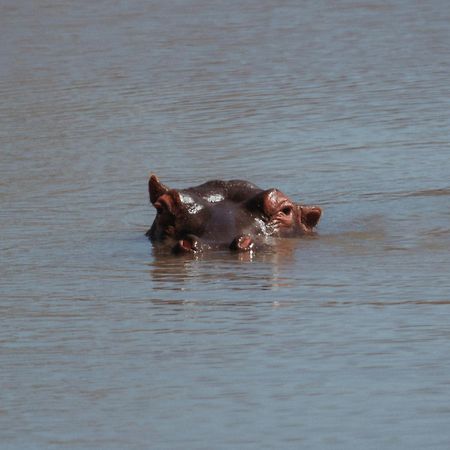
x=156, y=188
x=310, y=215
x=169, y=201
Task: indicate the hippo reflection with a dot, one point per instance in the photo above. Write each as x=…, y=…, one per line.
x=220, y=214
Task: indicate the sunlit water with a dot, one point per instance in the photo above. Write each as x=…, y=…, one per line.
x=337, y=341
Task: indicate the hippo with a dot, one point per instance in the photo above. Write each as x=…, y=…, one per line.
x=235, y=215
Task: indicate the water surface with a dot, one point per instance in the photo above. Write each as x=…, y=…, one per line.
x=339, y=341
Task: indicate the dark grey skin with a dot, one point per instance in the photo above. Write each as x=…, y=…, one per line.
x=220, y=214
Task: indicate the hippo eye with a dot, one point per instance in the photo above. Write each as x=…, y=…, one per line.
x=159, y=208
x=287, y=210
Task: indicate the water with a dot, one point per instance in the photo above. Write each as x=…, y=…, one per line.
x=340, y=341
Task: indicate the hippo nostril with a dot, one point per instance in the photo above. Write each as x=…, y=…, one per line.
x=243, y=243
x=187, y=245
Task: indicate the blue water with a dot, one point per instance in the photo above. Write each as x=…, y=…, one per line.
x=339, y=341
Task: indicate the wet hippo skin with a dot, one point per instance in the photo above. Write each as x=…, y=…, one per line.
x=220, y=214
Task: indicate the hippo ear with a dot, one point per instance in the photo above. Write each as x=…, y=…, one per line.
x=156, y=188
x=170, y=202
x=310, y=216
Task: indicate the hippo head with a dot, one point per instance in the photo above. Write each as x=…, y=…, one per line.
x=232, y=214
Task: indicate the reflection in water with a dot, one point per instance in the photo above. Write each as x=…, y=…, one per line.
x=238, y=271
